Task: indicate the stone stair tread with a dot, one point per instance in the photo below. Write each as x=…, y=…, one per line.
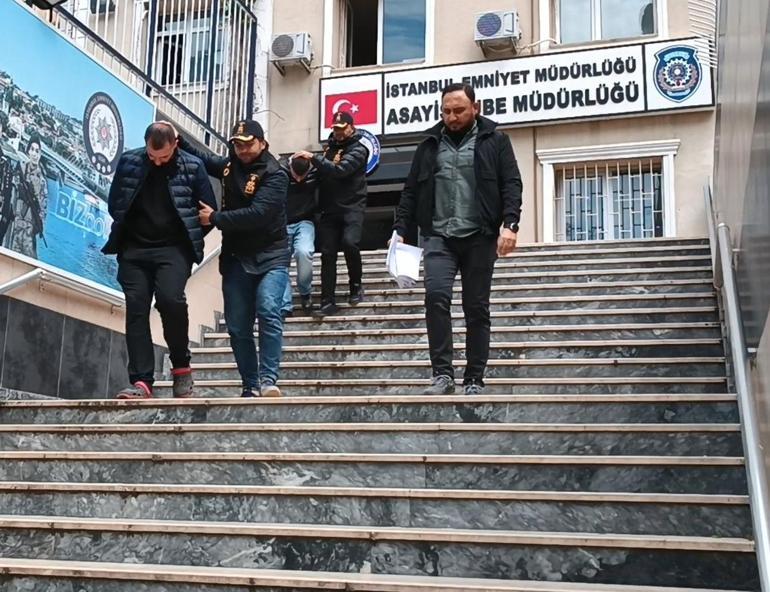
x=379, y=492
x=350, y=582
x=374, y=427
x=343, y=457
x=511, y=314
x=492, y=362
x=390, y=533
x=493, y=329
x=358, y=400
x=378, y=382
x=493, y=345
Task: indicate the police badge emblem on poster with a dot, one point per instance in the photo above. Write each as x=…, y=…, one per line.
x=678, y=72
x=103, y=133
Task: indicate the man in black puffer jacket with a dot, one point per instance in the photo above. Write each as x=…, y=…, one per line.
x=255, y=253
x=157, y=236
x=342, y=169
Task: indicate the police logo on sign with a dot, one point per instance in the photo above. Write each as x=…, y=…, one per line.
x=103, y=133
x=678, y=72
x=372, y=144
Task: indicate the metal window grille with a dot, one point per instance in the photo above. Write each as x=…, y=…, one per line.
x=610, y=200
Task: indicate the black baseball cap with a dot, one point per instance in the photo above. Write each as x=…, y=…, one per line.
x=247, y=130
x=342, y=119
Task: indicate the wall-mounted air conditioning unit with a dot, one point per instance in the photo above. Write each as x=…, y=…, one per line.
x=289, y=49
x=497, y=32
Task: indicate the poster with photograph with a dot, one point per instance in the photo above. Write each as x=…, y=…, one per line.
x=64, y=122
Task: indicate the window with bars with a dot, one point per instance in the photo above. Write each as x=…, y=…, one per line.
x=609, y=200
x=183, y=51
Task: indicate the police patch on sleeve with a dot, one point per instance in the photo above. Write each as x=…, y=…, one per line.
x=678, y=72
x=103, y=133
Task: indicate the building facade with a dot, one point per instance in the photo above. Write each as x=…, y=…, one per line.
x=608, y=103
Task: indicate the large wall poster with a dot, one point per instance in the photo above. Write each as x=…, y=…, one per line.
x=64, y=122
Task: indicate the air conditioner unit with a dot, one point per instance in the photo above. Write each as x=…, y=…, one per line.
x=497, y=31
x=288, y=49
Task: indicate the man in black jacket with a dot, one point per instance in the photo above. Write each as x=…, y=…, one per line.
x=301, y=204
x=156, y=235
x=342, y=168
x=6, y=185
x=255, y=255
x=464, y=193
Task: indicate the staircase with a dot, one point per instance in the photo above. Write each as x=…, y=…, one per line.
x=604, y=455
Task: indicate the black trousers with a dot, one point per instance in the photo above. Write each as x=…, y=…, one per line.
x=335, y=232
x=475, y=258
x=162, y=272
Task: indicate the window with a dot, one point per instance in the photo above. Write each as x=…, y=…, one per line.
x=581, y=21
x=182, y=51
x=383, y=31
x=610, y=200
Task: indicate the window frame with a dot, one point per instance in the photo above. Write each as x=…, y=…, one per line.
x=187, y=27
x=550, y=158
x=332, y=24
x=550, y=30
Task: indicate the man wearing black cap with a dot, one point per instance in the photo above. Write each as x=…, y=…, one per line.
x=255, y=256
x=342, y=168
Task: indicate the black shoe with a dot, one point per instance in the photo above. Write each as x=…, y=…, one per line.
x=326, y=309
x=473, y=387
x=307, y=304
x=356, y=294
x=249, y=393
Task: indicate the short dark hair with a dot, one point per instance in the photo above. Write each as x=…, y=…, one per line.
x=457, y=86
x=159, y=134
x=34, y=138
x=300, y=165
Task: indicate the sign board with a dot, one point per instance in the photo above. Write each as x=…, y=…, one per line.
x=372, y=144
x=66, y=121
x=624, y=80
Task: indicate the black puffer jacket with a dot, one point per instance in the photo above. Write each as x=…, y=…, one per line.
x=342, y=168
x=188, y=184
x=498, y=181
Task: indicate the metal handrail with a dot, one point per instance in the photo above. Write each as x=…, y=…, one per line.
x=721, y=244
x=207, y=259
x=45, y=275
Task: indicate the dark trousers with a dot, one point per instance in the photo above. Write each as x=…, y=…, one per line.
x=335, y=232
x=475, y=258
x=162, y=272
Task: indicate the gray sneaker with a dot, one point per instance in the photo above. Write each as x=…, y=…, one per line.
x=183, y=383
x=473, y=388
x=441, y=385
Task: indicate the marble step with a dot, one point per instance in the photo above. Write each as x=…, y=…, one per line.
x=637, y=474
x=543, y=368
x=397, y=321
x=625, y=274
x=654, y=559
x=528, y=333
x=513, y=386
x=502, y=290
x=384, y=438
x=527, y=265
x=612, y=301
x=627, y=408
x=565, y=511
x=377, y=258
x=66, y=576
x=629, y=348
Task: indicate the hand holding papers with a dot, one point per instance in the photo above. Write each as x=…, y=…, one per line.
x=403, y=262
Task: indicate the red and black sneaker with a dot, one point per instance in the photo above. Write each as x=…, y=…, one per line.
x=183, y=383
x=138, y=390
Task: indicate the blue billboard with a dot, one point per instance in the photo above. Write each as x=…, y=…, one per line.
x=64, y=122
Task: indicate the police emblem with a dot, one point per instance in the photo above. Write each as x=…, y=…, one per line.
x=103, y=133
x=251, y=184
x=678, y=72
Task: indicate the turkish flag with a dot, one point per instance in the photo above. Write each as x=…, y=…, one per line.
x=363, y=106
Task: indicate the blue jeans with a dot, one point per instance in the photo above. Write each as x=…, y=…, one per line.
x=248, y=296
x=302, y=244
